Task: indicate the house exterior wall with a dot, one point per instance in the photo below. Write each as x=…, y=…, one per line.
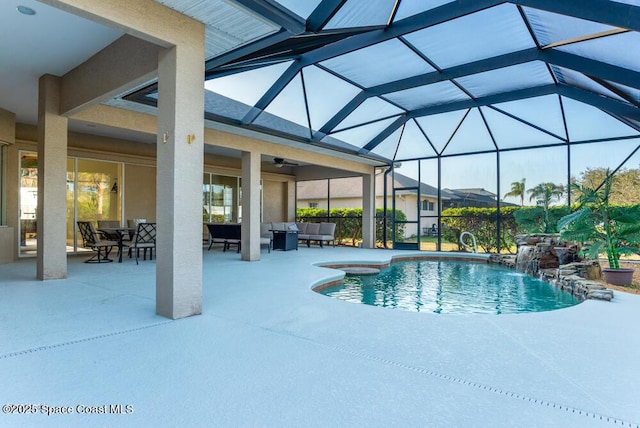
x=274, y=197
x=139, y=192
x=139, y=178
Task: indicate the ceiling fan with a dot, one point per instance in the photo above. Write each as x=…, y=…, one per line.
x=279, y=163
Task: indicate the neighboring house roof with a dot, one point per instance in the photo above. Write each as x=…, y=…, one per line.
x=352, y=188
x=477, y=191
x=463, y=195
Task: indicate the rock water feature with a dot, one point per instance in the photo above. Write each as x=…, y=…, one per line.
x=545, y=257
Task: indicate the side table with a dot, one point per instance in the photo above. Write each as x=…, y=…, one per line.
x=285, y=240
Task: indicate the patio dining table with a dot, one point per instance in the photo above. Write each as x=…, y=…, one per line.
x=120, y=232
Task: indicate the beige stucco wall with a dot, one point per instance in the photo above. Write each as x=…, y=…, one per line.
x=139, y=192
x=139, y=184
x=274, y=197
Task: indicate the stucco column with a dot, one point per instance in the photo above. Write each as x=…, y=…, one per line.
x=180, y=164
x=8, y=188
x=250, y=206
x=51, y=217
x=368, y=211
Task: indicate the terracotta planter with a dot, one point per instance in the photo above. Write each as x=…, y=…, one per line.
x=620, y=276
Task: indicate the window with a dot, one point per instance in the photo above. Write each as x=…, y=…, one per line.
x=427, y=205
x=313, y=205
x=221, y=199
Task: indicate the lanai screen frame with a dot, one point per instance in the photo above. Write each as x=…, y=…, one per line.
x=578, y=67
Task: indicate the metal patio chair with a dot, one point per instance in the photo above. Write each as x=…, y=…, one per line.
x=144, y=239
x=90, y=239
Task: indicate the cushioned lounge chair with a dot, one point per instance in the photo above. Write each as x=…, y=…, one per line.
x=319, y=232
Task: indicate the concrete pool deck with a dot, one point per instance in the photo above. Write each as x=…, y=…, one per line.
x=268, y=351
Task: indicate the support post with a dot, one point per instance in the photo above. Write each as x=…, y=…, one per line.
x=250, y=206
x=51, y=215
x=180, y=164
x=368, y=211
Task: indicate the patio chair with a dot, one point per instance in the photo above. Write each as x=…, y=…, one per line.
x=109, y=224
x=133, y=224
x=144, y=239
x=90, y=239
x=266, y=236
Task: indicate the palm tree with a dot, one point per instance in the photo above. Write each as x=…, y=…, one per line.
x=544, y=194
x=517, y=191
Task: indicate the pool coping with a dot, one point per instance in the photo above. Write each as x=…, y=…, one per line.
x=318, y=286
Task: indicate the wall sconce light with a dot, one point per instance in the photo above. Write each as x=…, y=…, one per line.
x=114, y=188
x=165, y=137
x=191, y=138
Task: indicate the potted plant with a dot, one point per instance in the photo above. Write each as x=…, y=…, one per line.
x=604, y=228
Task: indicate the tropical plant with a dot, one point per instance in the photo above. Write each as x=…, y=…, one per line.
x=537, y=220
x=544, y=194
x=517, y=190
x=603, y=227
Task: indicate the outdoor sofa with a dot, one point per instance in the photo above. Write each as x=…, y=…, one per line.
x=309, y=232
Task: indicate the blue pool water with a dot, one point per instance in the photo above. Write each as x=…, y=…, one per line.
x=452, y=287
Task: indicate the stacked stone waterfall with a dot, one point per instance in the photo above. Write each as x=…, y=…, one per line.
x=544, y=256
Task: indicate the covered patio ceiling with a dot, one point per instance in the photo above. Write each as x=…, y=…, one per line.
x=408, y=79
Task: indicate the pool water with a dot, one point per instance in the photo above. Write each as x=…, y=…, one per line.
x=452, y=287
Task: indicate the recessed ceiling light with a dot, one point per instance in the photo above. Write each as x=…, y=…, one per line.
x=25, y=10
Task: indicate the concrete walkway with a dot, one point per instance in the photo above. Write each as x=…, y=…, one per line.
x=268, y=351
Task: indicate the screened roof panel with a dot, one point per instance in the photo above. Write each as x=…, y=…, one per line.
x=485, y=34
x=387, y=148
x=348, y=74
x=586, y=122
x=247, y=87
x=579, y=80
x=361, y=13
x=544, y=112
x=361, y=135
x=326, y=94
x=471, y=136
x=509, y=133
x=300, y=8
x=289, y=104
x=440, y=127
x=511, y=78
x=631, y=2
x=385, y=58
x=428, y=95
x=413, y=143
x=412, y=7
x=370, y=110
x=631, y=94
x=553, y=28
x=612, y=50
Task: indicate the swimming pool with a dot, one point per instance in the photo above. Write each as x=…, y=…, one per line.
x=451, y=287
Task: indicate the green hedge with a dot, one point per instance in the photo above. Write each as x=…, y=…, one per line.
x=482, y=222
